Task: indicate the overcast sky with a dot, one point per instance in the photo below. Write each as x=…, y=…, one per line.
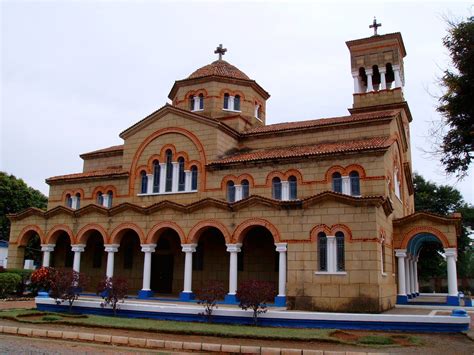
x=74, y=74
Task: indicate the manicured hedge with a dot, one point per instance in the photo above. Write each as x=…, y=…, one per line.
x=9, y=283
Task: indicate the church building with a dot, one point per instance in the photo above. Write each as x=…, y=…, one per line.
x=206, y=188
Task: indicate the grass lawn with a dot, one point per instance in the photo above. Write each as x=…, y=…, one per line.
x=190, y=328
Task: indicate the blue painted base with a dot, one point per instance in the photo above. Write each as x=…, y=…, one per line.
x=402, y=299
x=186, y=296
x=145, y=294
x=414, y=295
x=452, y=301
x=417, y=294
x=280, y=301
x=468, y=302
x=409, y=296
x=230, y=299
x=43, y=294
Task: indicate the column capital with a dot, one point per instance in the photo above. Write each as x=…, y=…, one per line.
x=355, y=74
x=401, y=253
x=331, y=237
x=148, y=248
x=382, y=70
x=450, y=252
x=369, y=72
x=234, y=248
x=188, y=248
x=396, y=67
x=111, y=248
x=47, y=247
x=78, y=247
x=281, y=247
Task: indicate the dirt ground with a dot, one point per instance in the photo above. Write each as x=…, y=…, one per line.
x=433, y=343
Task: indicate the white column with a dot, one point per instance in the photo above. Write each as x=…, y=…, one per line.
x=285, y=190
x=417, y=286
x=162, y=177
x=331, y=253
x=149, y=186
x=401, y=255
x=281, y=248
x=355, y=75
x=196, y=103
x=47, y=249
x=396, y=73
x=407, y=275
x=238, y=192
x=110, y=249
x=346, y=185
x=383, y=82
x=148, y=249
x=233, y=249
x=105, y=200
x=174, y=185
x=451, y=255
x=231, y=103
x=369, y=74
x=187, y=180
x=74, y=202
x=77, y=249
x=189, y=249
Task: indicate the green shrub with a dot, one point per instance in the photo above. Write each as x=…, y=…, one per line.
x=25, y=279
x=9, y=282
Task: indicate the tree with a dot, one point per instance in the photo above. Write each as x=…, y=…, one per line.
x=255, y=294
x=444, y=200
x=456, y=104
x=15, y=196
x=66, y=285
x=112, y=290
x=208, y=296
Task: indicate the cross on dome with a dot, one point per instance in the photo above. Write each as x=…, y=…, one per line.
x=374, y=25
x=221, y=51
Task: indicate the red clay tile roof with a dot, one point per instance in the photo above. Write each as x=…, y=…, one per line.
x=219, y=68
x=308, y=150
x=321, y=122
x=111, y=172
x=112, y=149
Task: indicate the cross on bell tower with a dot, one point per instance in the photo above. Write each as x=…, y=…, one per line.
x=374, y=25
x=221, y=51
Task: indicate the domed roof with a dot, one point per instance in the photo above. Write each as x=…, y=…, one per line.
x=219, y=68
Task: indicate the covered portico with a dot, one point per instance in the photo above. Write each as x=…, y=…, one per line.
x=410, y=235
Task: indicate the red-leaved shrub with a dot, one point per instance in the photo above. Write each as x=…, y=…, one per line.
x=41, y=279
x=255, y=294
x=208, y=297
x=66, y=285
x=112, y=290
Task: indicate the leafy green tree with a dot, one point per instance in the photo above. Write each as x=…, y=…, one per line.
x=456, y=104
x=444, y=200
x=15, y=196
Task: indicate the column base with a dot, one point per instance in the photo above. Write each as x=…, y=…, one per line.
x=186, y=296
x=43, y=294
x=145, y=294
x=409, y=296
x=414, y=295
x=231, y=299
x=402, y=299
x=417, y=294
x=452, y=301
x=280, y=301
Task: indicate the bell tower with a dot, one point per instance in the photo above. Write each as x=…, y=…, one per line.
x=377, y=69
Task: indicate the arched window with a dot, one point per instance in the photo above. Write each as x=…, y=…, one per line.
x=169, y=170
x=230, y=191
x=144, y=182
x=201, y=101
x=100, y=198
x=194, y=178
x=226, y=101
x=245, y=188
x=156, y=176
x=389, y=75
x=322, y=251
x=110, y=194
x=375, y=77
x=396, y=183
x=383, y=255
x=276, y=188
x=237, y=103
x=337, y=182
x=258, y=111
x=355, y=183
x=181, y=174
x=68, y=201
x=293, y=185
x=363, y=79
x=340, y=255
x=191, y=102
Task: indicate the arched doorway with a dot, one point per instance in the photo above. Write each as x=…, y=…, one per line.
x=30, y=249
x=94, y=259
x=211, y=260
x=62, y=256
x=129, y=259
x=258, y=259
x=167, y=264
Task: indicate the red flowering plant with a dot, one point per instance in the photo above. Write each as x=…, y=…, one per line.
x=255, y=294
x=41, y=279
